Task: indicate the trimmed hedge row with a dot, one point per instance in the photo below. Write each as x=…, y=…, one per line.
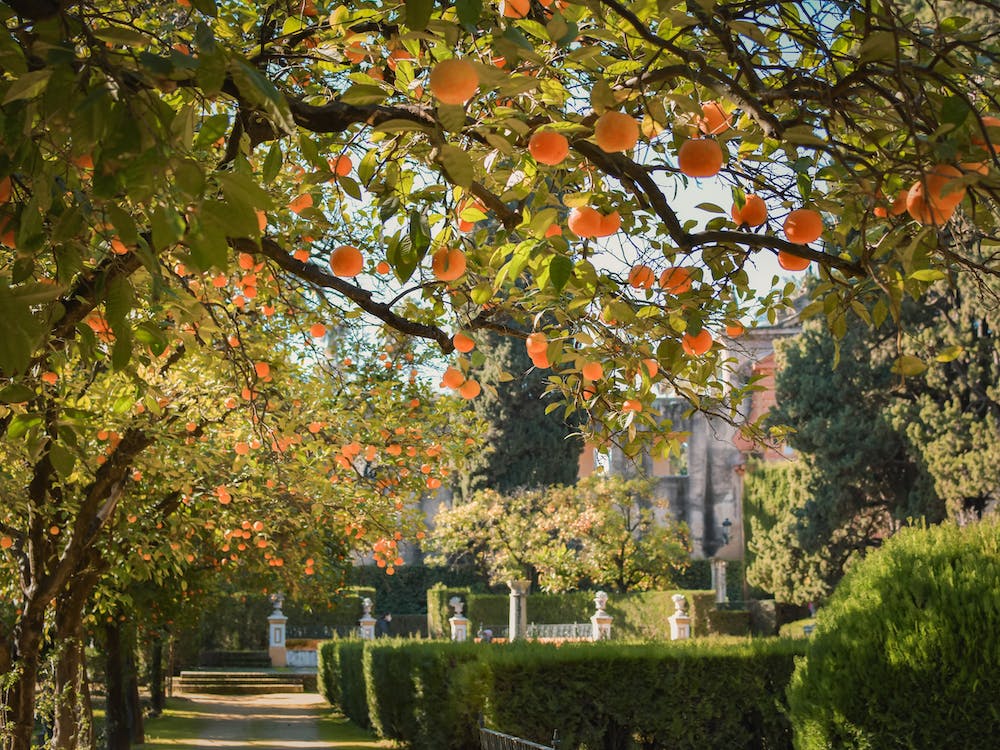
x=340, y=668
x=638, y=615
x=599, y=696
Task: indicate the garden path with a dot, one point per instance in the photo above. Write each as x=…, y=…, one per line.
x=263, y=722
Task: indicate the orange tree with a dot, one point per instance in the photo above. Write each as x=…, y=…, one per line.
x=152, y=150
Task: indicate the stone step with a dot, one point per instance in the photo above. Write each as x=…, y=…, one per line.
x=243, y=682
x=241, y=688
x=238, y=675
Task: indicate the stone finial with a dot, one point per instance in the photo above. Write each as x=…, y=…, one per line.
x=680, y=604
x=600, y=601
x=366, y=605
x=456, y=604
x=278, y=600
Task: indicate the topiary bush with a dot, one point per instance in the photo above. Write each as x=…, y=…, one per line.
x=353, y=689
x=906, y=654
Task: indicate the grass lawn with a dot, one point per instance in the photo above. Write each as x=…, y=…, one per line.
x=186, y=724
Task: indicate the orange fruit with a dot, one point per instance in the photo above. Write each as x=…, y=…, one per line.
x=803, y=225
x=735, y=330
x=342, y=165
x=676, y=280
x=355, y=53
x=584, y=221
x=554, y=230
x=300, y=204
x=454, y=81
x=632, y=405
x=641, y=277
x=616, y=131
x=536, y=343
x=931, y=199
x=899, y=204
x=118, y=247
x=695, y=345
x=6, y=542
x=714, y=119
x=610, y=223
x=317, y=330
x=753, y=213
x=398, y=54
x=592, y=371
x=263, y=369
x=470, y=389
x=792, y=262
x=346, y=261
x=84, y=161
x=989, y=121
x=548, y=147
x=700, y=157
x=463, y=343
x=453, y=377
x=652, y=367
x=448, y=264
x=382, y=267
x=516, y=8
x=540, y=360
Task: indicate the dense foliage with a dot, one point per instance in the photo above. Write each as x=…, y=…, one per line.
x=905, y=654
x=694, y=695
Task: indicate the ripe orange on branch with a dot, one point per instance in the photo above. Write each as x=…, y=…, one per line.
x=516, y=8
x=700, y=157
x=548, y=147
x=803, y=225
x=453, y=377
x=448, y=264
x=989, y=122
x=753, y=213
x=346, y=261
x=792, y=262
x=934, y=198
x=697, y=344
x=454, y=81
x=641, y=277
x=616, y=131
x=463, y=343
x=676, y=280
x=714, y=119
x=585, y=221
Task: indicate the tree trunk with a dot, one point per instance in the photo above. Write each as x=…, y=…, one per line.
x=19, y=720
x=156, y=675
x=72, y=715
x=124, y=712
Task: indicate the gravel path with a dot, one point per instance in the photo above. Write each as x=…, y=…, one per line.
x=265, y=722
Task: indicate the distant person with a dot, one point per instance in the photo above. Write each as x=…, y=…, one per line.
x=383, y=625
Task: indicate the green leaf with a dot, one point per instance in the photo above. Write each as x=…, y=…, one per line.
x=402, y=126
x=469, y=12
x=560, y=271
x=418, y=13
x=457, y=165
x=362, y=94
x=124, y=224
x=122, y=36
x=16, y=394
x=880, y=45
x=20, y=425
x=206, y=6
x=148, y=334
x=950, y=353
x=168, y=227
x=212, y=129
x=955, y=110
x=929, y=274
x=28, y=85
x=258, y=90
x=419, y=233
x=272, y=163
x=62, y=459
x=908, y=366
x=350, y=187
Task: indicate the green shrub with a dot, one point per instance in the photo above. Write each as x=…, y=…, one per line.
x=695, y=695
x=328, y=672
x=729, y=622
x=403, y=592
x=905, y=653
x=353, y=690
x=797, y=629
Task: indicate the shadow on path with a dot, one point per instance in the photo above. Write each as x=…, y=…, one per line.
x=264, y=722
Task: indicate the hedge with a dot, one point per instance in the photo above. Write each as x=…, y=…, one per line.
x=599, y=696
x=341, y=676
x=638, y=615
x=403, y=592
x=905, y=653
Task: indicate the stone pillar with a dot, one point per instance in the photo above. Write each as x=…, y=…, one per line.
x=517, y=625
x=276, y=622
x=719, y=581
x=600, y=623
x=367, y=622
x=680, y=620
x=459, y=622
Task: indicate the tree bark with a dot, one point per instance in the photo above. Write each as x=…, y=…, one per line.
x=156, y=675
x=20, y=716
x=124, y=712
x=72, y=714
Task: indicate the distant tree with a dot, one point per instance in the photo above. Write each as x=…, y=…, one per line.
x=599, y=532
x=528, y=446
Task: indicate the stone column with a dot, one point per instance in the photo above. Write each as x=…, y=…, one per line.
x=719, y=581
x=367, y=622
x=517, y=625
x=680, y=620
x=600, y=623
x=276, y=622
x=459, y=622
